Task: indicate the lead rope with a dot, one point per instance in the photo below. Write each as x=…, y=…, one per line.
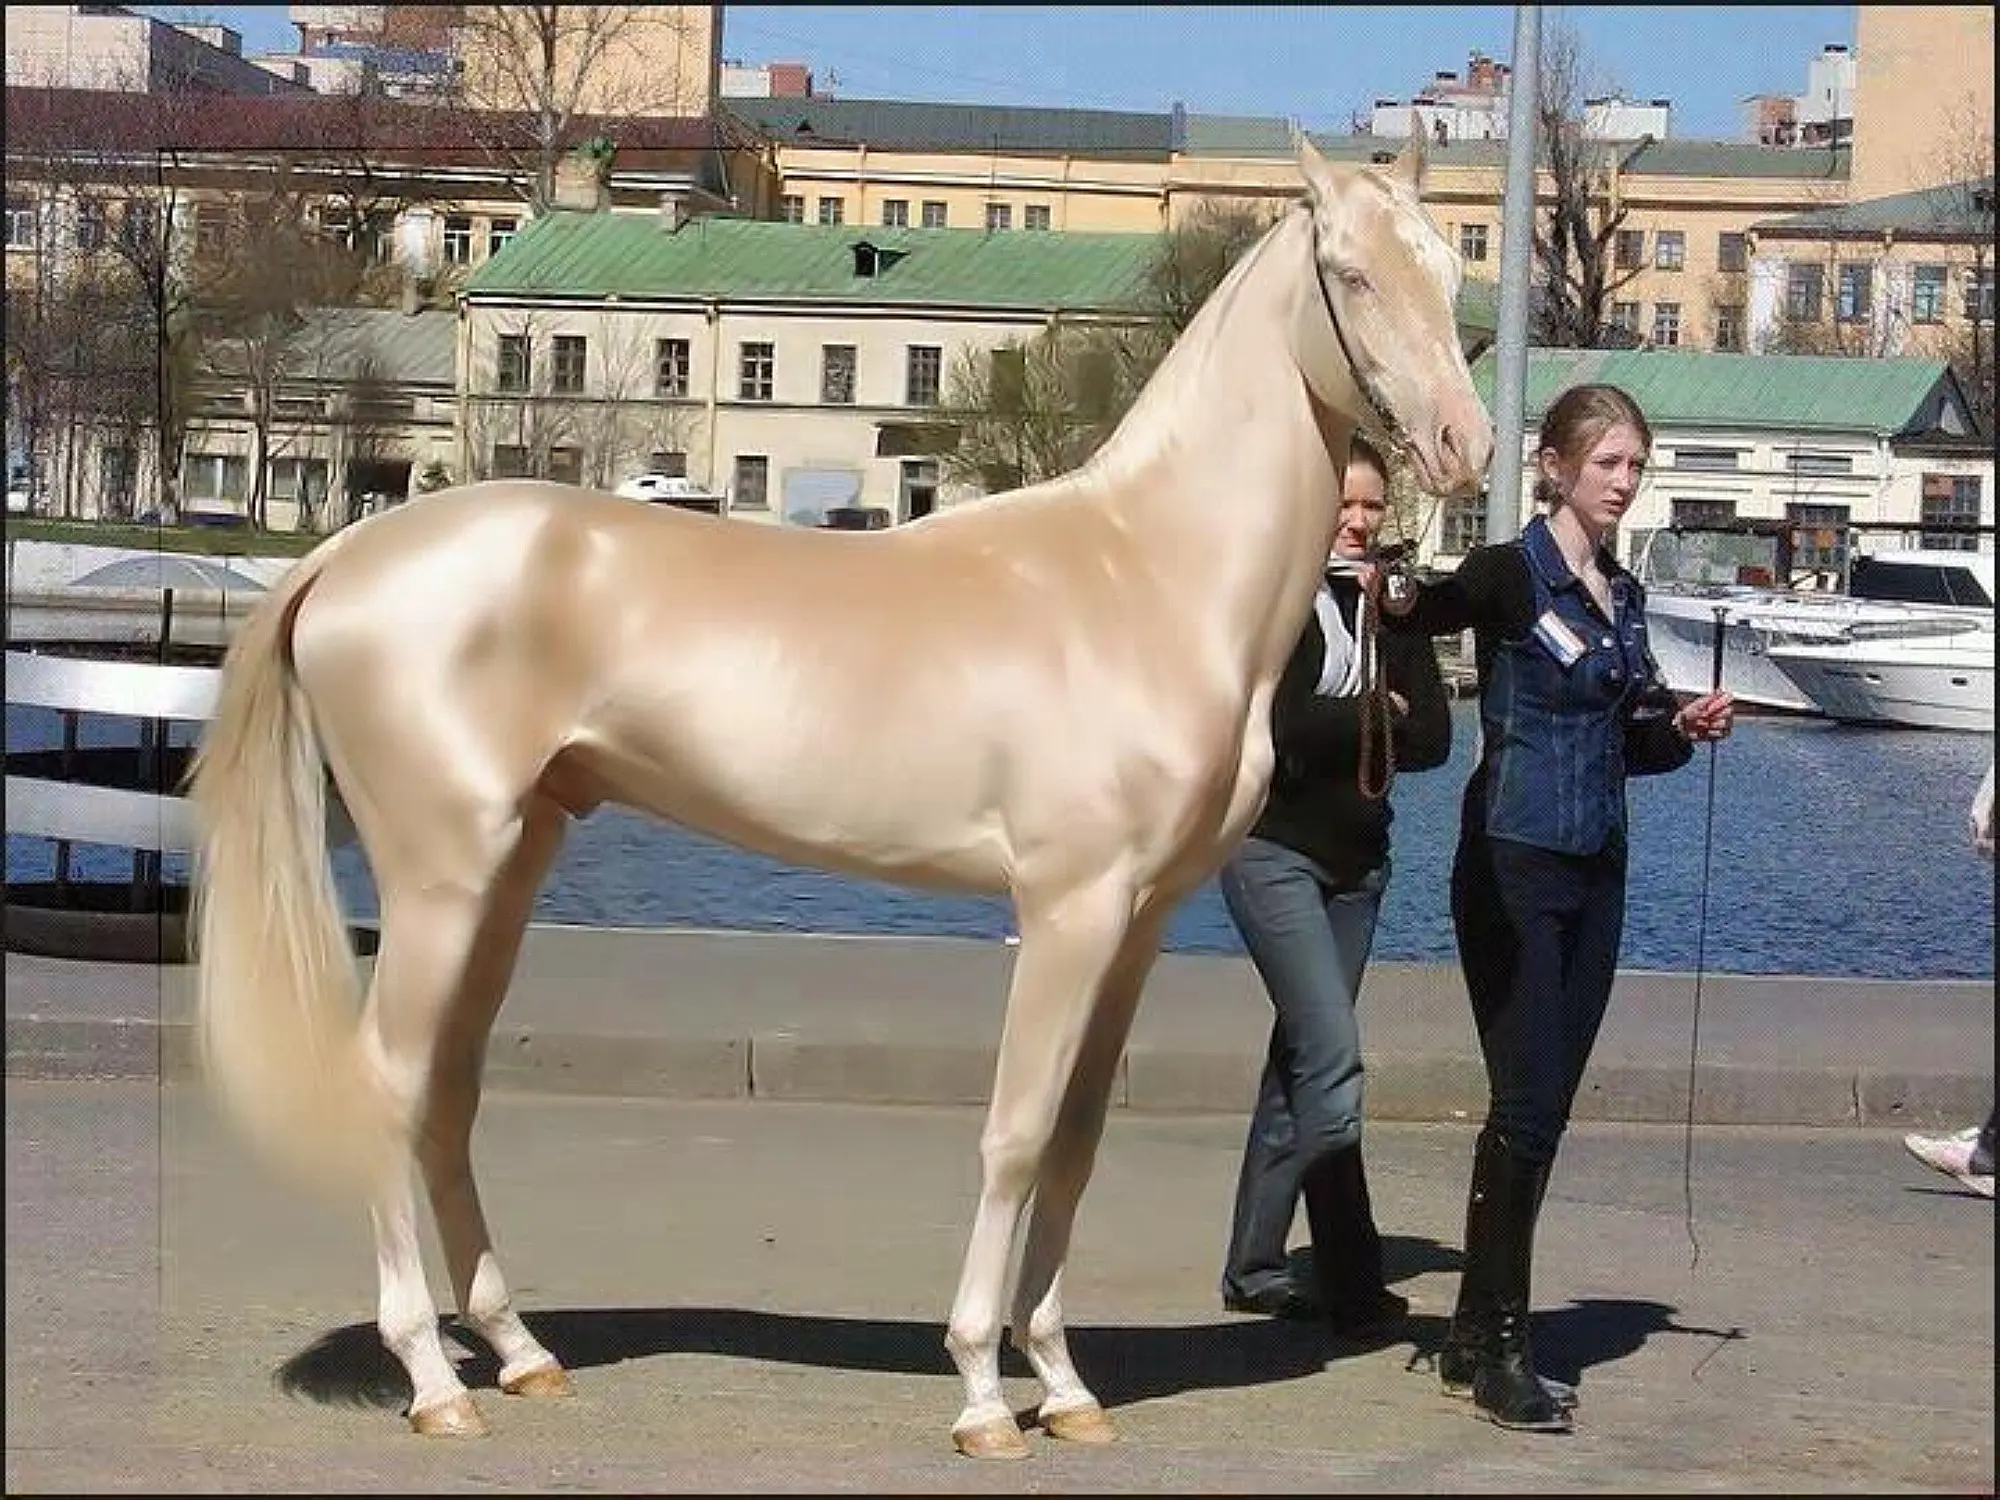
x=1700, y=953
x=1375, y=711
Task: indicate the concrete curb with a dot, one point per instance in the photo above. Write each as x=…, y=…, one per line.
x=1152, y=1080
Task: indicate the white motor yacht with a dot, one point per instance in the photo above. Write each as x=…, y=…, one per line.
x=1922, y=676
x=1903, y=593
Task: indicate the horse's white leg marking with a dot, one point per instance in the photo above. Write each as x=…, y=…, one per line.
x=432, y=908
x=1069, y=1410
x=444, y=1146
x=1067, y=944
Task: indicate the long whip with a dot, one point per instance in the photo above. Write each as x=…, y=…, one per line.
x=1700, y=950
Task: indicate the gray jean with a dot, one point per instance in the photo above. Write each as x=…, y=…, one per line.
x=1310, y=945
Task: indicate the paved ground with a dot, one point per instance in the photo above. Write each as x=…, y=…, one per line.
x=751, y=1296
x=788, y=1017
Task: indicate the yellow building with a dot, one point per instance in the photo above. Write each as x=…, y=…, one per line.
x=1923, y=97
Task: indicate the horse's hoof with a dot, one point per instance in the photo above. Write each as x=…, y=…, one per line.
x=999, y=1438
x=1080, y=1424
x=458, y=1418
x=543, y=1380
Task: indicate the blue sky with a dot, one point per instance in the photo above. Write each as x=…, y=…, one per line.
x=1315, y=63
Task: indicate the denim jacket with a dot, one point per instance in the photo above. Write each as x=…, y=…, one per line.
x=1571, y=708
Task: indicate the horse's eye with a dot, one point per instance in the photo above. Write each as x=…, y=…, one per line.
x=1354, y=281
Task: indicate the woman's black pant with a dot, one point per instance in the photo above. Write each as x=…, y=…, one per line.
x=1538, y=935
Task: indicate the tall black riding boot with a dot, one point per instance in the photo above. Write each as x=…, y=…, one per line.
x=1347, y=1249
x=1505, y=1387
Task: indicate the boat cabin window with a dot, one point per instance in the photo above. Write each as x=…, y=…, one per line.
x=1916, y=582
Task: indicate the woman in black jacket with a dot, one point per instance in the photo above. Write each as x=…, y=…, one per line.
x=1304, y=891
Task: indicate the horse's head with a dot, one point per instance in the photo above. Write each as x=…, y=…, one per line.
x=1387, y=283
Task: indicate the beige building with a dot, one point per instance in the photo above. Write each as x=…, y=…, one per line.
x=109, y=47
x=628, y=59
x=1923, y=97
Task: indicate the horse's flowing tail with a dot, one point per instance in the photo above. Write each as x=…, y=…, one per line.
x=279, y=995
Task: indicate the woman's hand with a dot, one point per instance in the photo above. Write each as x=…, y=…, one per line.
x=1373, y=578
x=1710, y=717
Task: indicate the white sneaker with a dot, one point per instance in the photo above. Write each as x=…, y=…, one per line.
x=1951, y=1155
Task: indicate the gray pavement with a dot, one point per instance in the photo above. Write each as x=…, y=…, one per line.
x=751, y=1295
x=872, y=1020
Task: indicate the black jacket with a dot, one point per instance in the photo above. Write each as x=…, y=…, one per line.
x=1316, y=806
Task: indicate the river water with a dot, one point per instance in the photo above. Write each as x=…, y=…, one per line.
x=1832, y=850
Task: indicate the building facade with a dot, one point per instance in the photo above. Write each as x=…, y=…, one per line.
x=110, y=48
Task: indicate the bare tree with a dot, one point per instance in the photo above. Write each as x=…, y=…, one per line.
x=1576, y=240
x=1196, y=255
x=257, y=280
x=1033, y=408
x=564, y=67
x=1968, y=156
x=624, y=423
x=511, y=425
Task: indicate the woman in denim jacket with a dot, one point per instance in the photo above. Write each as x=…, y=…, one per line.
x=1570, y=704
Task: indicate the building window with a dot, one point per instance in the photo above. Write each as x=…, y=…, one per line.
x=755, y=369
x=512, y=369
x=933, y=214
x=457, y=240
x=498, y=233
x=1707, y=460
x=1820, y=465
x=566, y=369
x=215, y=476
x=139, y=226
x=299, y=480
x=1819, y=537
x=836, y=374
x=999, y=216
x=832, y=211
x=1950, y=502
x=751, y=488
x=1036, y=216
x=566, y=465
x=919, y=486
x=1701, y=513
x=211, y=226
x=1472, y=241
x=1927, y=294
x=1852, y=297
x=895, y=213
x=1462, y=525
x=93, y=224
x=792, y=208
x=1670, y=250
x=20, y=223
x=1666, y=324
x=510, y=461
x=1729, y=328
x=922, y=373
x=1625, y=319
x=1629, y=249
x=1804, y=285
x=670, y=367
x=1732, y=251
x=1979, y=294
x=669, y=461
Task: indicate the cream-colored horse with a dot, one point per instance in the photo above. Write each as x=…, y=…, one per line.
x=1086, y=730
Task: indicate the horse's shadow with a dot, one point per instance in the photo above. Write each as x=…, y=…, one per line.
x=1125, y=1364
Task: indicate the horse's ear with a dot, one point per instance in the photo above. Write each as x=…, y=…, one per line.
x=1410, y=160
x=1312, y=165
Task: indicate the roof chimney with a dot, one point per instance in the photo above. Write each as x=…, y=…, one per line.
x=673, y=212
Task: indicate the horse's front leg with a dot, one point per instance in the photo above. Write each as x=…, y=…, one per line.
x=1068, y=1409
x=1068, y=942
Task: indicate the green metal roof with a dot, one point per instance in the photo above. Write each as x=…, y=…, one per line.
x=909, y=125
x=1952, y=209
x=568, y=254
x=1235, y=135
x=1787, y=392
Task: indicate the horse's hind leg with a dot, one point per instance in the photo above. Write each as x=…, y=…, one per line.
x=444, y=1142
x=1066, y=946
x=1068, y=1409
x=436, y=882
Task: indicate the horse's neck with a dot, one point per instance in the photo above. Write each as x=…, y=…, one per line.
x=1226, y=462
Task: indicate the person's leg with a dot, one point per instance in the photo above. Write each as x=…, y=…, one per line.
x=1347, y=1247
x=1515, y=908
x=1273, y=897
